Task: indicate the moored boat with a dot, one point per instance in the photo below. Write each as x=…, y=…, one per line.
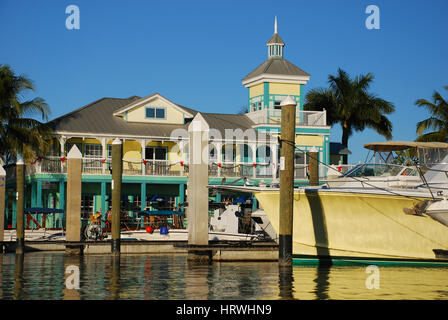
x=370, y=222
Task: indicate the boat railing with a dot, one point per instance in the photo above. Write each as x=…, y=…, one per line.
x=378, y=170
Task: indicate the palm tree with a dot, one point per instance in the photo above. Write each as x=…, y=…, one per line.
x=438, y=121
x=349, y=103
x=21, y=135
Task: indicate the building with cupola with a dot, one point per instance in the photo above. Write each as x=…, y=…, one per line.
x=156, y=164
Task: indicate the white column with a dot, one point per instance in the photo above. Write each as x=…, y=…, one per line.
x=219, y=155
x=254, y=159
x=181, y=147
x=104, y=154
x=274, y=160
x=143, y=144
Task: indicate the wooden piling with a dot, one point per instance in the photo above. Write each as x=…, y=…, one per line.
x=197, y=210
x=73, y=212
x=288, y=124
x=314, y=166
x=20, y=190
x=117, y=171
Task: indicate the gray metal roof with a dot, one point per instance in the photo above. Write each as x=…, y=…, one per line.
x=278, y=66
x=97, y=118
x=275, y=39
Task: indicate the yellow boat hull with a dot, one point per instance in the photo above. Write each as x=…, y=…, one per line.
x=357, y=225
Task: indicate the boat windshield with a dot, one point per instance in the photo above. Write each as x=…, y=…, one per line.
x=381, y=170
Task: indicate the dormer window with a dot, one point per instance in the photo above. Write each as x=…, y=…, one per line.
x=155, y=113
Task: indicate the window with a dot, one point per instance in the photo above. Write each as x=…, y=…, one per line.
x=213, y=155
x=93, y=150
x=155, y=113
x=277, y=105
x=254, y=107
x=160, y=113
x=150, y=113
x=87, y=201
x=259, y=105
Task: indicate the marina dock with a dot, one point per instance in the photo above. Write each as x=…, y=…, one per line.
x=216, y=251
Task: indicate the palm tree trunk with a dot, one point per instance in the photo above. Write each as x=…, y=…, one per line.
x=345, y=136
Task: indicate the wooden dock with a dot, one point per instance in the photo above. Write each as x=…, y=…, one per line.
x=216, y=250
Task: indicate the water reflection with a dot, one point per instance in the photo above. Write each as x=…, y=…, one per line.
x=71, y=279
x=137, y=277
x=322, y=281
x=114, y=278
x=286, y=282
x=18, y=277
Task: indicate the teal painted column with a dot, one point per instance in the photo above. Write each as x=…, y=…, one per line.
x=39, y=202
x=103, y=198
x=218, y=197
x=143, y=196
x=143, y=202
x=61, y=216
x=181, y=192
x=39, y=194
x=33, y=200
x=33, y=194
x=49, y=218
x=254, y=203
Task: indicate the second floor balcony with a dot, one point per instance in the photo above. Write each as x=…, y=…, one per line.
x=303, y=118
x=160, y=168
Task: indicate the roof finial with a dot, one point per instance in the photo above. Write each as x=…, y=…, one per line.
x=275, y=25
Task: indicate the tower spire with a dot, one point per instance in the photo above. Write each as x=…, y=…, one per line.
x=275, y=44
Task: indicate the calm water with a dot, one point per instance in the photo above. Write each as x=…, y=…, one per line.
x=137, y=277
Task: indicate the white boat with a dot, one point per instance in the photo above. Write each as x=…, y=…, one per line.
x=374, y=222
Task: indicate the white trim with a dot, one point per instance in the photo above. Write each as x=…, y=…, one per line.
x=266, y=77
x=300, y=127
x=152, y=138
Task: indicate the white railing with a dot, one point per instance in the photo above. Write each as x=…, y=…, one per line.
x=138, y=167
x=303, y=118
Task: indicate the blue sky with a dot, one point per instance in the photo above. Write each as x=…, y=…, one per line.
x=196, y=52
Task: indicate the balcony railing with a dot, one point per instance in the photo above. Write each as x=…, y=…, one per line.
x=138, y=167
x=303, y=118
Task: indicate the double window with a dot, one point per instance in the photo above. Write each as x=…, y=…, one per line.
x=155, y=113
